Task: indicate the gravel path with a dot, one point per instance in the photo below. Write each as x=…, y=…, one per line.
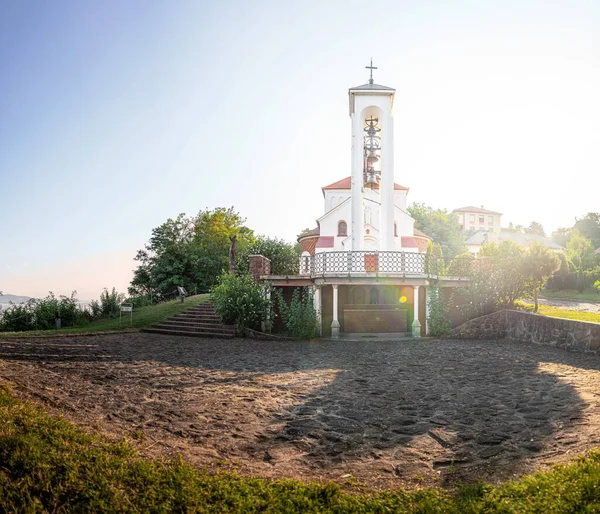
x=379, y=413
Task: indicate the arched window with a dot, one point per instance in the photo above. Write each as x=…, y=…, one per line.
x=395, y=229
x=342, y=228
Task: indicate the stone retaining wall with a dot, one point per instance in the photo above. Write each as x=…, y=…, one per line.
x=524, y=327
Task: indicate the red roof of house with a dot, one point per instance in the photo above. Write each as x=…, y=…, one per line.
x=346, y=183
x=310, y=233
x=418, y=233
x=325, y=242
x=409, y=242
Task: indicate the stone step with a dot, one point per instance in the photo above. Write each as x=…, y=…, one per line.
x=163, y=331
x=195, y=328
x=197, y=319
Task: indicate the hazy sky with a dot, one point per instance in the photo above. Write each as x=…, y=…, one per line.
x=116, y=115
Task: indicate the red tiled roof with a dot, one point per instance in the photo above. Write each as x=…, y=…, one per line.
x=345, y=183
x=409, y=242
x=418, y=233
x=310, y=233
x=325, y=242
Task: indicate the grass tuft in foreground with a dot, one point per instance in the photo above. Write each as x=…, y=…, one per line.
x=50, y=465
x=558, y=312
x=142, y=317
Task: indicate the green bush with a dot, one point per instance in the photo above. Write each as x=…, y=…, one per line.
x=439, y=318
x=42, y=314
x=18, y=318
x=109, y=304
x=141, y=300
x=240, y=301
x=299, y=317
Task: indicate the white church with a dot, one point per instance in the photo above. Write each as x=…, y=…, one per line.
x=365, y=260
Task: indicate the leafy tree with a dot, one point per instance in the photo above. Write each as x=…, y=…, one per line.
x=561, y=277
x=539, y=263
x=435, y=259
x=284, y=256
x=461, y=265
x=189, y=252
x=480, y=295
x=441, y=226
x=589, y=227
x=506, y=271
x=579, y=252
x=561, y=236
x=536, y=228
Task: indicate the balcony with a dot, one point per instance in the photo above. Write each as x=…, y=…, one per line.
x=366, y=263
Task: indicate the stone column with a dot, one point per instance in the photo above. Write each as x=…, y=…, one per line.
x=335, y=324
x=416, y=326
x=318, y=309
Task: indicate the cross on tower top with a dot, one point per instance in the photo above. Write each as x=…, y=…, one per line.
x=371, y=67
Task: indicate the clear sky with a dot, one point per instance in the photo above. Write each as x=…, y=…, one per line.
x=118, y=114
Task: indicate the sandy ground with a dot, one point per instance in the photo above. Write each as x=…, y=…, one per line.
x=382, y=414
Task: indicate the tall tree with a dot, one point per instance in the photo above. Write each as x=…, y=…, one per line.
x=536, y=228
x=441, y=226
x=589, y=227
x=561, y=236
x=189, y=252
x=580, y=253
x=539, y=263
x=505, y=270
x=285, y=258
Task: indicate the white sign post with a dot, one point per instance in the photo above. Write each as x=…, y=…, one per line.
x=126, y=307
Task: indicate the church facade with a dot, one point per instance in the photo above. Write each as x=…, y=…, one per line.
x=367, y=264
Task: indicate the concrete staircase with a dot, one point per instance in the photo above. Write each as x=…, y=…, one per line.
x=199, y=321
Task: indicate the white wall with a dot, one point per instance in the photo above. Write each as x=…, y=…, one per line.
x=334, y=197
x=400, y=199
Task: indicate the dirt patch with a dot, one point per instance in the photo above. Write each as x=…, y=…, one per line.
x=378, y=413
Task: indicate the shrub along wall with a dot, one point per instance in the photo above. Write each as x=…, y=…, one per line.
x=524, y=327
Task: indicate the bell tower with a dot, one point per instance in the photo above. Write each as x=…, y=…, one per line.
x=372, y=157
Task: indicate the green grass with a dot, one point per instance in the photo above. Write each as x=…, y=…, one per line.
x=557, y=312
x=50, y=465
x=142, y=317
x=588, y=296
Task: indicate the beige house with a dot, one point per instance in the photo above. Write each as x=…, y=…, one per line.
x=478, y=218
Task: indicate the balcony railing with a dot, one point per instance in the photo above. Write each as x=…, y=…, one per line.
x=374, y=262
